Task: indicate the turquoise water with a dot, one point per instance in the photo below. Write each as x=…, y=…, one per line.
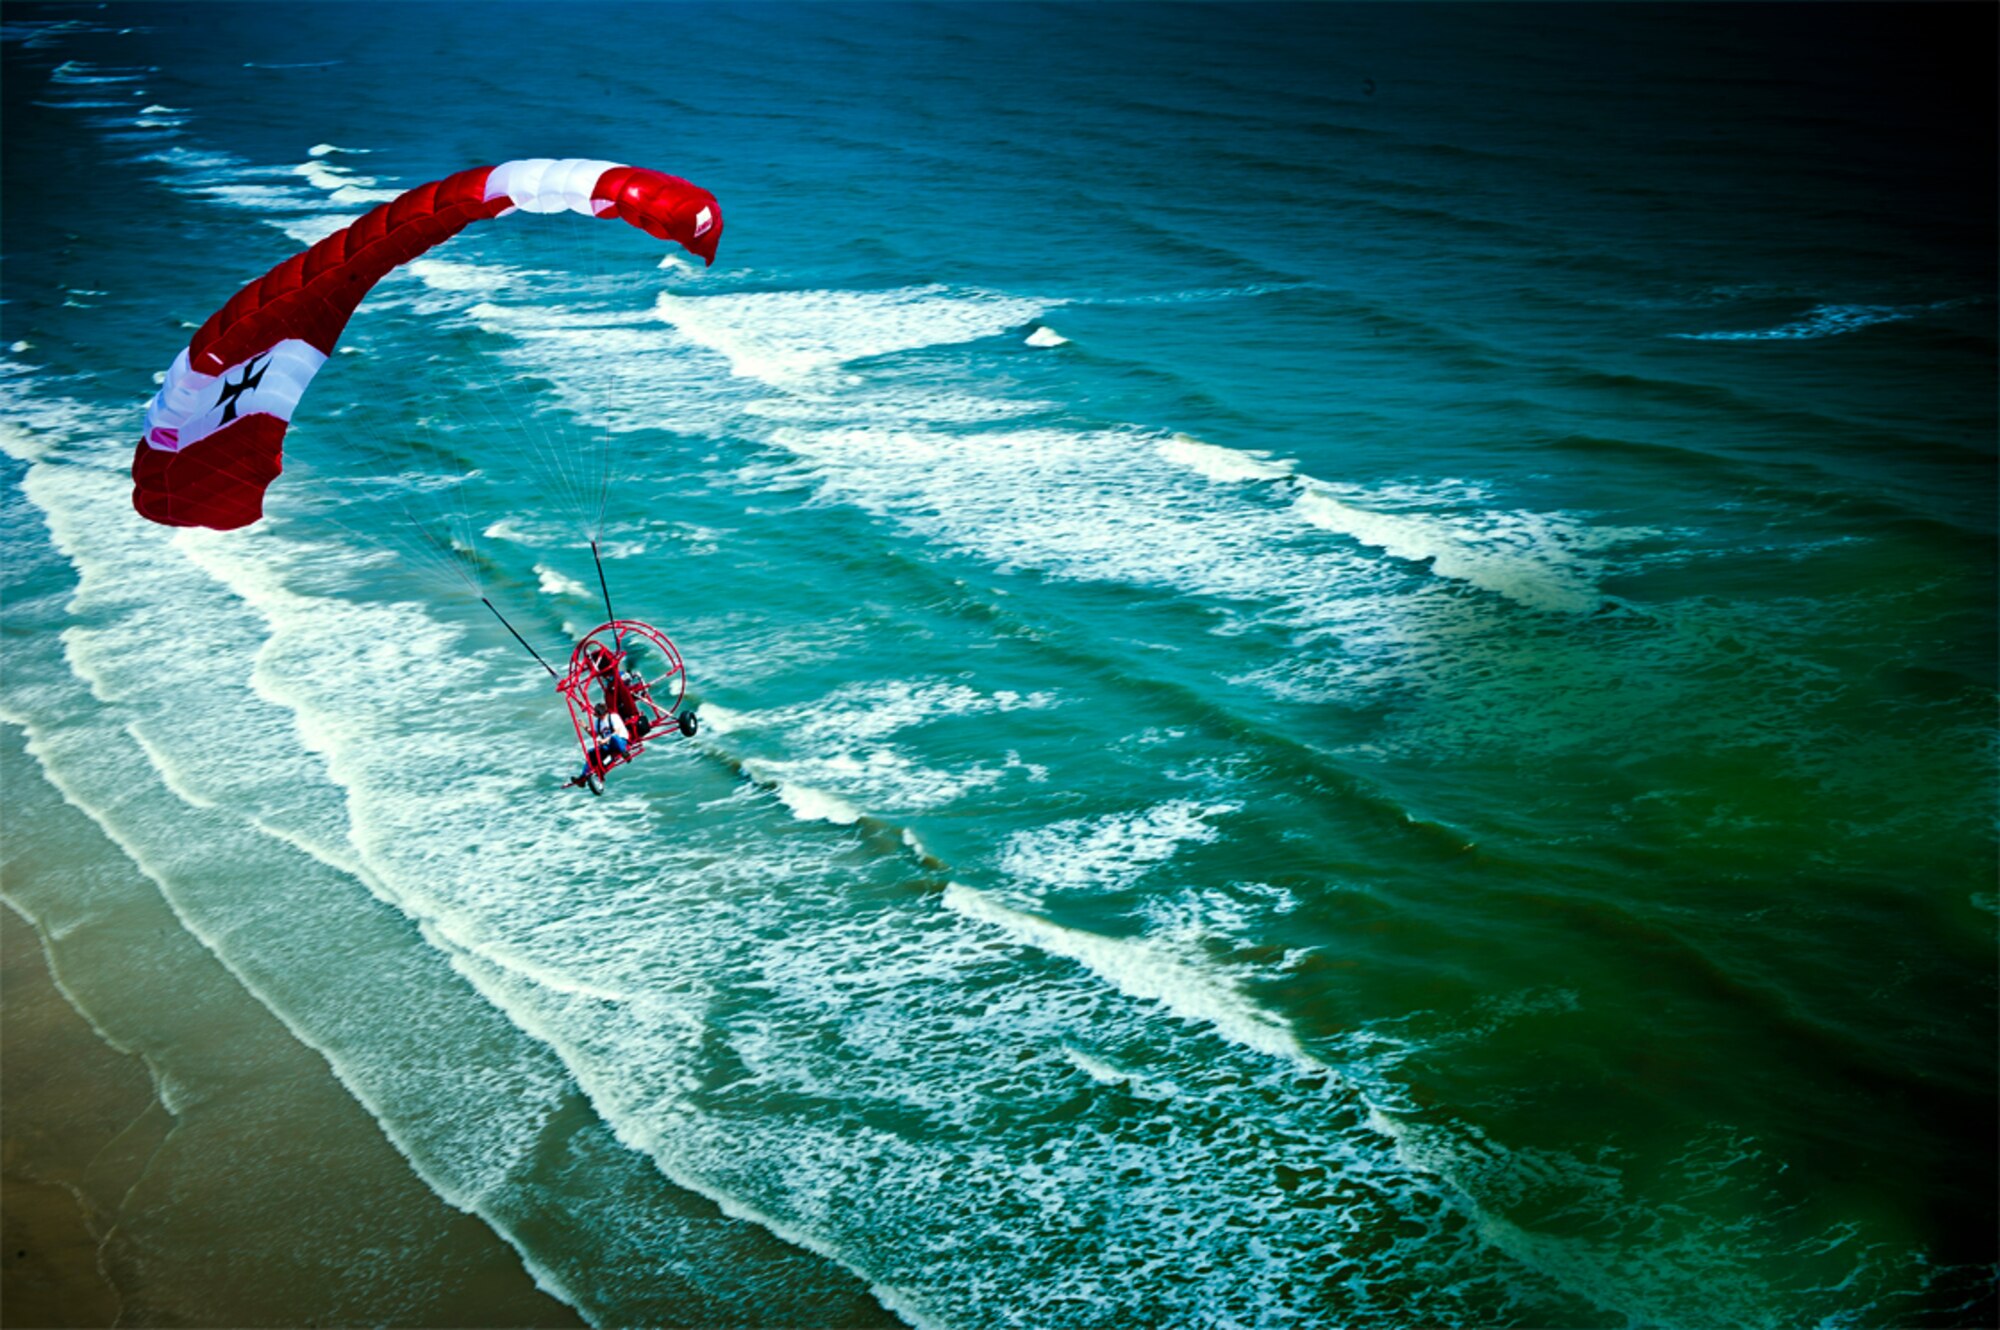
x=1347, y=654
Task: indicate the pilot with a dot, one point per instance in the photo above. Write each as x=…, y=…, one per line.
x=609, y=738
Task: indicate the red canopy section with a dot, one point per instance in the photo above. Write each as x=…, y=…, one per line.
x=214, y=432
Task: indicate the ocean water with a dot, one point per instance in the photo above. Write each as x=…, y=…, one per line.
x=1347, y=654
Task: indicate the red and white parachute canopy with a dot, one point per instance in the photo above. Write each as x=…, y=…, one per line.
x=214, y=430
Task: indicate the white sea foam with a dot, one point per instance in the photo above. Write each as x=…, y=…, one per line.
x=883, y=779
x=1084, y=505
x=156, y=116
x=46, y=34
x=837, y=745
x=1223, y=464
x=1149, y=969
x=1074, y=503
x=83, y=71
x=984, y=490
x=808, y=804
x=419, y=849
x=1108, y=853
x=312, y=230
x=554, y=583
x=196, y=160
x=874, y=710
x=786, y=337
x=870, y=1005
x=1046, y=336
x=897, y=404
x=1523, y=556
x=523, y=530
x=1100, y=1071
x=1208, y=295
x=344, y=186
x=1820, y=321
x=613, y=367
x=453, y=275
x=260, y=198
x=225, y=178
x=557, y=323
x=718, y=719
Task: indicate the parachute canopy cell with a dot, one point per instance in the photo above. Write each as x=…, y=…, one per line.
x=214, y=432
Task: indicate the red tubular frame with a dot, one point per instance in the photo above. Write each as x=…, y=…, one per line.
x=590, y=681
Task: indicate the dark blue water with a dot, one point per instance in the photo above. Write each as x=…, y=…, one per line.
x=1348, y=652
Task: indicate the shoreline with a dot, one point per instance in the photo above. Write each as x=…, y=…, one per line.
x=216, y=1173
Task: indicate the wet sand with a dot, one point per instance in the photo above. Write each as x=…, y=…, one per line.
x=215, y=1174
x=66, y=1098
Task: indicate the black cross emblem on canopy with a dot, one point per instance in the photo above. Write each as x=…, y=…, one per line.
x=253, y=374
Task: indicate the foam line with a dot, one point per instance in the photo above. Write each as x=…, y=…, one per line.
x=456, y=275
x=343, y=186
x=1147, y=970
x=1520, y=557
x=83, y=71
x=1820, y=321
x=554, y=583
x=788, y=338
x=1227, y=465
x=1108, y=853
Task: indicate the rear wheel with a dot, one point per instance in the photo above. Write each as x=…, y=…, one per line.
x=688, y=724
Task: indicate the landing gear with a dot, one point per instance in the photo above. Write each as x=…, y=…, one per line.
x=688, y=724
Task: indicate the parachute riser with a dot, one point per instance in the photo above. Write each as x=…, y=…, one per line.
x=610, y=615
x=523, y=641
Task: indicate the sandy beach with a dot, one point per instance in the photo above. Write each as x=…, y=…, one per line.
x=68, y=1102
x=118, y=1210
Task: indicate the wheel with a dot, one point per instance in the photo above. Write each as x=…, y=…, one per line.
x=688, y=724
x=595, y=783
